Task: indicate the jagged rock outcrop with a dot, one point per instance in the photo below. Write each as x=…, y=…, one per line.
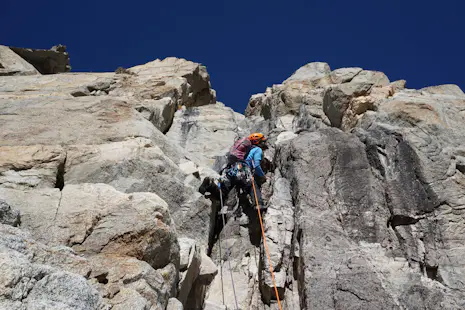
x=52, y=61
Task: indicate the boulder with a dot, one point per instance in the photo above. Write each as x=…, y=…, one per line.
x=207, y=273
x=52, y=61
x=12, y=64
x=9, y=216
x=208, y=269
x=131, y=165
x=185, y=247
x=136, y=281
x=191, y=258
x=315, y=72
x=38, y=209
x=175, y=73
x=399, y=84
x=344, y=75
x=340, y=98
x=373, y=77
x=94, y=181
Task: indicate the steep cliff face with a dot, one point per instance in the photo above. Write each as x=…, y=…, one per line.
x=100, y=209
x=377, y=190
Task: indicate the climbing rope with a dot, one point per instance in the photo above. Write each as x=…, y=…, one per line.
x=221, y=268
x=227, y=253
x=264, y=243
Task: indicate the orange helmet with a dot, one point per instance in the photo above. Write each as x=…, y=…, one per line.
x=257, y=138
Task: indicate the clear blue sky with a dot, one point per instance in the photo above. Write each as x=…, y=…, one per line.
x=249, y=45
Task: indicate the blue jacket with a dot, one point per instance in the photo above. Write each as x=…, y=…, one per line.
x=254, y=159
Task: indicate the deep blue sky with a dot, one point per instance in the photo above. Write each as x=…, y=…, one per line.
x=249, y=45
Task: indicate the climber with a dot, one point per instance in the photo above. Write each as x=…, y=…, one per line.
x=253, y=160
x=244, y=159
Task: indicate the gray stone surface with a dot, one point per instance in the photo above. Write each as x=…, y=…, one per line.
x=338, y=100
x=190, y=253
x=344, y=75
x=187, y=82
x=159, y=112
x=35, y=166
x=374, y=77
x=35, y=277
x=342, y=239
x=95, y=218
x=279, y=221
x=205, y=132
x=314, y=71
x=12, y=64
x=448, y=89
x=174, y=304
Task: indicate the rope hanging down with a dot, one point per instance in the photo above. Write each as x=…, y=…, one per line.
x=227, y=253
x=264, y=243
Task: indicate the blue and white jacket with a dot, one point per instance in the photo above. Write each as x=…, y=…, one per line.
x=254, y=159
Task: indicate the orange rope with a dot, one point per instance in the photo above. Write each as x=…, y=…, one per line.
x=264, y=243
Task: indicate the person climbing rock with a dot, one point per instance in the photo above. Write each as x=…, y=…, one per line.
x=253, y=160
x=244, y=159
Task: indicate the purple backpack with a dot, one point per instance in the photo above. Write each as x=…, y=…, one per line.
x=240, y=148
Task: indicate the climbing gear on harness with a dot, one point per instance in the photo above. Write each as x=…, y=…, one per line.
x=227, y=254
x=256, y=138
x=239, y=173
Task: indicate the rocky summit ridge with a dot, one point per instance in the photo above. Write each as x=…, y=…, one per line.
x=100, y=208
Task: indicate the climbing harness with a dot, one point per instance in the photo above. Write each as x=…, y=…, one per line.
x=227, y=253
x=264, y=243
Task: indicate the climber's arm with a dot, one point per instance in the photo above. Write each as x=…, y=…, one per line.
x=257, y=159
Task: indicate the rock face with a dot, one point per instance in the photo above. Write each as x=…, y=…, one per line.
x=85, y=162
x=100, y=209
x=206, y=131
x=375, y=219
